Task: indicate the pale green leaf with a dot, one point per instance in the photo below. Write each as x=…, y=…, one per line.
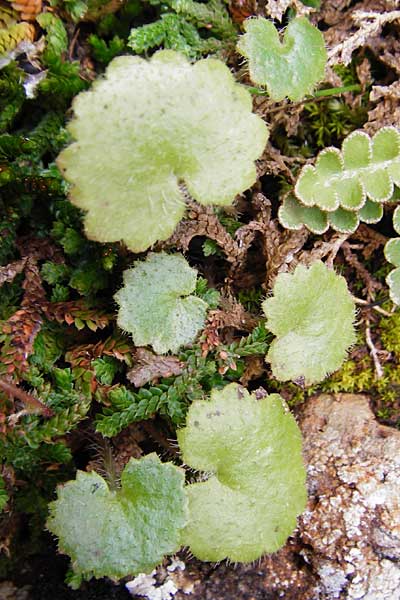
x=371, y=212
x=344, y=221
x=155, y=306
x=293, y=215
x=396, y=220
x=366, y=168
x=392, y=251
x=124, y=532
x=146, y=128
x=393, y=281
x=251, y=450
x=392, y=255
x=56, y=34
x=311, y=312
x=3, y=494
x=290, y=68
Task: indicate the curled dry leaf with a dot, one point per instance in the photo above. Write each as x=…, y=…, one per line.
x=152, y=366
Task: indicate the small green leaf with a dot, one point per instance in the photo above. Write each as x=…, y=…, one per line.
x=311, y=312
x=256, y=484
x=148, y=127
x=3, y=494
x=364, y=169
x=371, y=212
x=392, y=255
x=155, y=305
x=396, y=220
x=344, y=221
x=56, y=35
x=393, y=281
x=293, y=215
x=124, y=532
x=290, y=68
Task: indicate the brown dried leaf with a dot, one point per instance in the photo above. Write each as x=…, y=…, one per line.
x=255, y=367
x=23, y=327
x=276, y=9
x=280, y=249
x=28, y=9
x=371, y=284
x=203, y=222
x=32, y=404
x=387, y=111
x=77, y=312
x=151, y=367
x=10, y=271
x=372, y=239
x=370, y=23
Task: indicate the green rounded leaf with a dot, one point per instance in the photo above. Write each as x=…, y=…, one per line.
x=155, y=305
x=251, y=450
x=371, y=212
x=344, y=221
x=365, y=168
x=393, y=281
x=290, y=68
x=396, y=220
x=311, y=312
x=146, y=128
x=293, y=215
x=392, y=251
x=124, y=532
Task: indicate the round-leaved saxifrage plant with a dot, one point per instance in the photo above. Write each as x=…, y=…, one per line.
x=312, y=314
x=115, y=533
x=290, y=68
x=155, y=305
x=249, y=447
x=150, y=126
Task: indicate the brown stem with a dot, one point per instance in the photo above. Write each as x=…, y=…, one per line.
x=27, y=399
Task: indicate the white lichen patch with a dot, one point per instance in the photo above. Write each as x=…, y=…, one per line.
x=149, y=587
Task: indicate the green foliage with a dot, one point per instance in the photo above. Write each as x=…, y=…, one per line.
x=105, y=369
x=104, y=52
x=392, y=255
x=364, y=169
x=210, y=295
x=12, y=95
x=290, y=68
x=56, y=35
x=155, y=306
x=3, y=494
x=192, y=28
x=328, y=123
x=48, y=347
x=128, y=407
x=312, y=313
x=256, y=485
x=174, y=33
x=197, y=128
x=120, y=532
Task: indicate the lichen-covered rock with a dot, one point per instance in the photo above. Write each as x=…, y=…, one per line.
x=352, y=525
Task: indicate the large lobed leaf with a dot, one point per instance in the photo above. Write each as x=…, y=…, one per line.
x=155, y=305
x=290, y=68
x=364, y=169
x=124, y=532
x=149, y=126
x=312, y=313
x=251, y=449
